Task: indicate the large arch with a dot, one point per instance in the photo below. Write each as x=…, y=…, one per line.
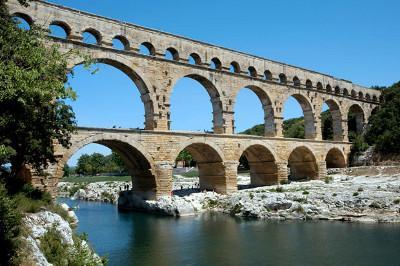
x=138, y=78
x=262, y=164
x=336, y=115
x=335, y=159
x=356, y=119
x=302, y=164
x=269, y=124
x=210, y=162
x=308, y=113
x=138, y=162
x=215, y=99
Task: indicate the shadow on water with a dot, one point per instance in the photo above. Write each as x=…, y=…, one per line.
x=215, y=239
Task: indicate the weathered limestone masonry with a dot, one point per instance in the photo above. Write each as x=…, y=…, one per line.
x=223, y=72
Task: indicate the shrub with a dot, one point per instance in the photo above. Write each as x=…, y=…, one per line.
x=251, y=195
x=55, y=251
x=360, y=189
x=355, y=194
x=334, y=194
x=328, y=179
x=284, y=182
x=75, y=188
x=236, y=209
x=396, y=201
x=279, y=189
x=305, y=192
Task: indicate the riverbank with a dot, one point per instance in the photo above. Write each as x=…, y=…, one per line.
x=341, y=197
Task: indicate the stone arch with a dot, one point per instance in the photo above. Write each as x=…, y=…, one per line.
x=25, y=17
x=210, y=162
x=262, y=164
x=302, y=164
x=308, y=112
x=367, y=97
x=252, y=72
x=215, y=98
x=97, y=35
x=319, y=86
x=282, y=78
x=328, y=88
x=360, y=95
x=138, y=79
x=345, y=92
x=356, y=118
x=269, y=123
x=353, y=94
x=174, y=53
x=374, y=98
x=235, y=67
x=296, y=81
x=124, y=41
x=335, y=159
x=309, y=84
x=150, y=47
x=336, y=114
x=139, y=163
x=63, y=25
x=196, y=58
x=216, y=63
x=337, y=90
x=268, y=75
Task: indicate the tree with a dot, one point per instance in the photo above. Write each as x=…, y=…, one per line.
x=383, y=129
x=186, y=157
x=33, y=112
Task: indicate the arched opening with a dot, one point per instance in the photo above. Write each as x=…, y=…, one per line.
x=299, y=121
x=296, y=81
x=118, y=102
x=109, y=160
x=302, y=165
x=216, y=64
x=252, y=72
x=91, y=36
x=254, y=114
x=171, y=54
x=190, y=105
x=309, y=84
x=59, y=29
x=328, y=88
x=353, y=94
x=345, y=92
x=319, y=86
x=361, y=95
x=374, y=98
x=260, y=163
x=147, y=48
x=355, y=118
x=337, y=90
x=282, y=78
x=267, y=75
x=367, y=97
x=23, y=21
x=194, y=59
x=234, y=67
x=211, y=170
x=120, y=43
x=331, y=121
x=335, y=159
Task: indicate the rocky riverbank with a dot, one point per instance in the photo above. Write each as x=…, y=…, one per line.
x=340, y=197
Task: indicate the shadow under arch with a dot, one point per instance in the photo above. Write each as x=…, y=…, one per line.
x=262, y=164
x=269, y=124
x=356, y=119
x=210, y=163
x=138, y=162
x=336, y=115
x=302, y=164
x=335, y=159
x=138, y=79
x=215, y=98
x=308, y=113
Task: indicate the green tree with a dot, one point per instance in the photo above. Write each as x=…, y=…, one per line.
x=186, y=157
x=383, y=129
x=33, y=112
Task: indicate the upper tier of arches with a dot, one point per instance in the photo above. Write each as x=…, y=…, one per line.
x=184, y=50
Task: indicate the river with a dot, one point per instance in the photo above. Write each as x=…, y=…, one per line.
x=128, y=238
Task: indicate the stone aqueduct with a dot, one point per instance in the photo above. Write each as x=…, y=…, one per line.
x=150, y=153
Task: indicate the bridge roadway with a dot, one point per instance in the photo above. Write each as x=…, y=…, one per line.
x=150, y=157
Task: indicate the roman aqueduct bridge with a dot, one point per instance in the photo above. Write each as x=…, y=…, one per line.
x=150, y=153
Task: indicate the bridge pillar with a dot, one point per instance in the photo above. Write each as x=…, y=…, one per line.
x=231, y=176
x=345, y=130
x=283, y=173
x=227, y=124
x=322, y=172
x=163, y=173
x=278, y=120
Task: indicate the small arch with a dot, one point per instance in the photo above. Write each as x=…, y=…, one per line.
x=353, y=94
x=282, y=78
x=328, y=88
x=194, y=59
x=367, y=97
x=381, y=99
x=267, y=75
x=345, y=92
x=360, y=95
x=59, y=29
x=319, y=86
x=262, y=165
x=120, y=43
x=302, y=164
x=337, y=90
x=309, y=84
x=26, y=20
x=216, y=63
x=147, y=48
x=335, y=159
x=335, y=121
x=374, y=98
x=355, y=120
x=234, y=68
x=91, y=36
x=252, y=72
x=296, y=81
x=172, y=54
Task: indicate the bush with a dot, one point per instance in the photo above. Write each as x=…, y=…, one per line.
x=284, y=182
x=355, y=194
x=334, y=195
x=279, y=189
x=396, y=201
x=236, y=209
x=360, y=189
x=192, y=173
x=305, y=192
x=328, y=179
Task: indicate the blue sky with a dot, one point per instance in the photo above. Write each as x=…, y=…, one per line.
x=355, y=40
